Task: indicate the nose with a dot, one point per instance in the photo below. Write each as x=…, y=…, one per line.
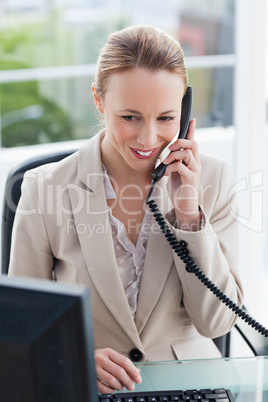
x=147, y=135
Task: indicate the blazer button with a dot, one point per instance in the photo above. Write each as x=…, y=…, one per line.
x=135, y=355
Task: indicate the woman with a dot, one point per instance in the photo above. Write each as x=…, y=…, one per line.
x=84, y=220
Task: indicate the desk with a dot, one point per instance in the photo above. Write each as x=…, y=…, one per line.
x=247, y=378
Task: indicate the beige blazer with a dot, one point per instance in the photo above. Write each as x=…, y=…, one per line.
x=62, y=224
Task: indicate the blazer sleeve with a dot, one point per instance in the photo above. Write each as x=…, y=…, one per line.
x=215, y=250
x=30, y=253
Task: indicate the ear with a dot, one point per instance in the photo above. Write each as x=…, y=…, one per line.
x=97, y=98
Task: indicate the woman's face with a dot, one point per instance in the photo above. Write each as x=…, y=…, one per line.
x=142, y=113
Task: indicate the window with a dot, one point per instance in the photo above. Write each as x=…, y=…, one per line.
x=49, y=50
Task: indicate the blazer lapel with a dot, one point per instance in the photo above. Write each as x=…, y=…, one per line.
x=96, y=242
x=158, y=263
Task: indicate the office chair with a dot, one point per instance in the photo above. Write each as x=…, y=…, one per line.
x=11, y=198
x=12, y=195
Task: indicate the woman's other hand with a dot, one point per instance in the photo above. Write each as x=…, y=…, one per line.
x=115, y=371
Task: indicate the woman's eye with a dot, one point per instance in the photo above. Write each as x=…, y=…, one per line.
x=129, y=118
x=166, y=118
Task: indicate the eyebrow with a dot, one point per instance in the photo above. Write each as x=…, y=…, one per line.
x=169, y=111
x=130, y=111
x=136, y=112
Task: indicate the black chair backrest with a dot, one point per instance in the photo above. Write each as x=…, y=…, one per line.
x=223, y=343
x=12, y=195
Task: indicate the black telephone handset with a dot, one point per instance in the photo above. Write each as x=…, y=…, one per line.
x=186, y=108
x=180, y=248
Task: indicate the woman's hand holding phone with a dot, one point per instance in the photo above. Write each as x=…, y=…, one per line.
x=184, y=170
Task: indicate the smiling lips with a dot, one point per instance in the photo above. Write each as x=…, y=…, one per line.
x=141, y=154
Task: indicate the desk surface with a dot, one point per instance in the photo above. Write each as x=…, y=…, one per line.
x=247, y=378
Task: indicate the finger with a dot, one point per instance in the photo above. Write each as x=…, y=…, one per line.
x=181, y=169
x=184, y=173
x=127, y=365
x=114, y=376
x=182, y=155
x=109, y=376
x=189, y=156
x=117, y=371
x=103, y=388
x=191, y=130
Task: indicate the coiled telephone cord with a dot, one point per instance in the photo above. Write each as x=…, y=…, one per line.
x=183, y=253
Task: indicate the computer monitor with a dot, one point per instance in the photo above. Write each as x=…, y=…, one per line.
x=46, y=342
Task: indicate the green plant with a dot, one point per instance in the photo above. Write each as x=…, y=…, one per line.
x=32, y=112
x=27, y=116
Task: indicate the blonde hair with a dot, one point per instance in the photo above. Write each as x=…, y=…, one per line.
x=138, y=46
